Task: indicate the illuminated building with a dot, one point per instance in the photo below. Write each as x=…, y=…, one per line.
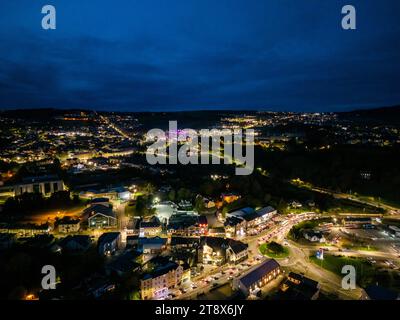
x=257, y=277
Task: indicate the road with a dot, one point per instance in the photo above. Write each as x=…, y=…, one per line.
x=225, y=274
x=341, y=195
x=114, y=126
x=298, y=261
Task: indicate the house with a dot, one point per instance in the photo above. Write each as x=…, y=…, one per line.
x=229, y=197
x=295, y=204
x=235, y=227
x=202, y=224
x=132, y=226
x=75, y=244
x=124, y=264
x=156, y=284
x=257, y=277
x=149, y=228
x=67, y=225
x=153, y=245
x=27, y=230
x=109, y=242
x=186, y=224
x=216, y=232
x=237, y=252
x=252, y=219
x=100, y=216
x=184, y=242
x=185, y=205
x=299, y=287
x=314, y=236
x=218, y=251
x=241, y=212
x=266, y=213
x=111, y=192
x=208, y=203
x=96, y=286
x=122, y=193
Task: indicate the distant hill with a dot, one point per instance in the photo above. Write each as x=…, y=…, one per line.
x=37, y=114
x=389, y=115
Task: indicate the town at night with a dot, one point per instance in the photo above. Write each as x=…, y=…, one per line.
x=245, y=152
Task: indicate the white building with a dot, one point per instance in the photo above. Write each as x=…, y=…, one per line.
x=46, y=185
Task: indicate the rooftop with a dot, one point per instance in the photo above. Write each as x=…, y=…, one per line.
x=260, y=271
x=99, y=200
x=82, y=240
x=160, y=270
x=109, y=236
x=98, y=208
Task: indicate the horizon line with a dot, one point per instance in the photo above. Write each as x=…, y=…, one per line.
x=212, y=109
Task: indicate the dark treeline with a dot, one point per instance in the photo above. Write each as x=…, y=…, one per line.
x=31, y=202
x=340, y=168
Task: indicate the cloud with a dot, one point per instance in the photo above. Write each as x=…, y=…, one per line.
x=280, y=55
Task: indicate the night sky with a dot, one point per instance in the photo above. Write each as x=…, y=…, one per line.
x=154, y=55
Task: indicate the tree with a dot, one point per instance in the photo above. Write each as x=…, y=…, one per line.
x=172, y=195
x=199, y=204
x=184, y=194
x=267, y=198
x=282, y=206
x=149, y=188
x=141, y=205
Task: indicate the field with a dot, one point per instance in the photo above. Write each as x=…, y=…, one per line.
x=366, y=273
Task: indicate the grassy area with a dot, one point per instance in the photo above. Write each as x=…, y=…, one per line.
x=365, y=272
x=359, y=245
x=274, y=250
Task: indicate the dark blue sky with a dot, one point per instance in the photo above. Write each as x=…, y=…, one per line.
x=133, y=55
